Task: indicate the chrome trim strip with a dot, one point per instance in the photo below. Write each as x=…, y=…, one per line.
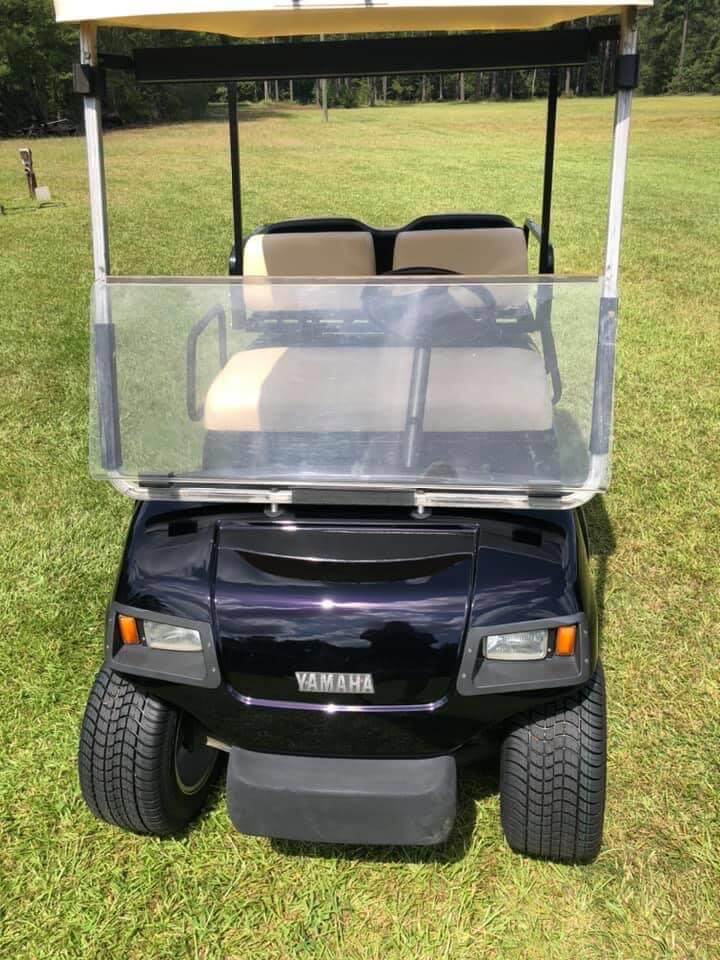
x=190, y=490
x=331, y=708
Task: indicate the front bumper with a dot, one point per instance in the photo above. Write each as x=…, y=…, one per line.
x=326, y=800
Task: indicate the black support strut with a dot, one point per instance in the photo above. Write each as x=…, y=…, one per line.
x=545, y=265
x=236, y=264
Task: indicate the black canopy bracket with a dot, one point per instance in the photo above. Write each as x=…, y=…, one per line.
x=440, y=53
x=627, y=71
x=116, y=61
x=88, y=81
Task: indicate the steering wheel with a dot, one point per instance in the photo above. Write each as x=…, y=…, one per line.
x=414, y=314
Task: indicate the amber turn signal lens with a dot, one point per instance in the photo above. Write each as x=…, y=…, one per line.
x=565, y=641
x=128, y=629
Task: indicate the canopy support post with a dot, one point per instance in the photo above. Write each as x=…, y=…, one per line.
x=92, y=112
x=236, y=261
x=103, y=329
x=618, y=166
x=544, y=265
x=607, y=326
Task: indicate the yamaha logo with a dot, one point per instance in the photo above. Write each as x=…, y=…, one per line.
x=335, y=682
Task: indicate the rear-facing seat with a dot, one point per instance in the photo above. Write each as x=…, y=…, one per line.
x=324, y=254
x=475, y=251
x=480, y=252
x=366, y=389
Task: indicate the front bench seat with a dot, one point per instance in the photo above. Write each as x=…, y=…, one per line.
x=366, y=390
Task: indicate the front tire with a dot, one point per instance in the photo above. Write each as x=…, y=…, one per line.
x=552, y=777
x=143, y=765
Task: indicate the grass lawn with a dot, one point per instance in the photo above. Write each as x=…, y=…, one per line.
x=71, y=887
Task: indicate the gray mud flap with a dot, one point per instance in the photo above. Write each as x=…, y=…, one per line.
x=328, y=800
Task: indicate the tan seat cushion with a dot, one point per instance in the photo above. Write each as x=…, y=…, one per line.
x=480, y=252
x=366, y=389
x=330, y=254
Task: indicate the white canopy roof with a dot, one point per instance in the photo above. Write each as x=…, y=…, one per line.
x=268, y=18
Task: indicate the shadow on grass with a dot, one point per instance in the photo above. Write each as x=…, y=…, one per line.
x=246, y=112
x=602, y=547
x=29, y=207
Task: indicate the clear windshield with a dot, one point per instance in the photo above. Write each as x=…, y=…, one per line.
x=442, y=384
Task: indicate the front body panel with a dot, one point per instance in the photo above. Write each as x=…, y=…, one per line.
x=388, y=602
x=357, y=593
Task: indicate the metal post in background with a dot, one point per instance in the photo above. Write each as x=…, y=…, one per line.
x=544, y=266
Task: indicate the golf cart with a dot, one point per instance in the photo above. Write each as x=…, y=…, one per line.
x=358, y=555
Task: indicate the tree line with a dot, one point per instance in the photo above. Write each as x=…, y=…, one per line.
x=679, y=48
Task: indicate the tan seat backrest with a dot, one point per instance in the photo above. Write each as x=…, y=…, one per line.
x=483, y=252
x=329, y=254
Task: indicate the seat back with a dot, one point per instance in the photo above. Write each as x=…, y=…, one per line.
x=484, y=252
x=336, y=253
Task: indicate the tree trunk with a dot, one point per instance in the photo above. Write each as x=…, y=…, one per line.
x=567, y=82
x=323, y=93
x=423, y=89
x=292, y=92
x=277, y=90
x=603, y=74
x=384, y=89
x=493, y=85
x=583, y=88
x=266, y=91
x=324, y=99
x=532, y=84
x=512, y=76
x=440, y=88
x=683, y=41
x=462, y=88
x=371, y=91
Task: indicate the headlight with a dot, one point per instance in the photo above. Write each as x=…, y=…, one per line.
x=524, y=645
x=165, y=636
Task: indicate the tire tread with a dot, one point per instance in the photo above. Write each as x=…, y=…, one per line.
x=122, y=756
x=552, y=777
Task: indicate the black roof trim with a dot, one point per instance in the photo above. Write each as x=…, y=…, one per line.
x=438, y=53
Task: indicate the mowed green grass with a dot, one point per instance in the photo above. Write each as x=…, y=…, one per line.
x=72, y=887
